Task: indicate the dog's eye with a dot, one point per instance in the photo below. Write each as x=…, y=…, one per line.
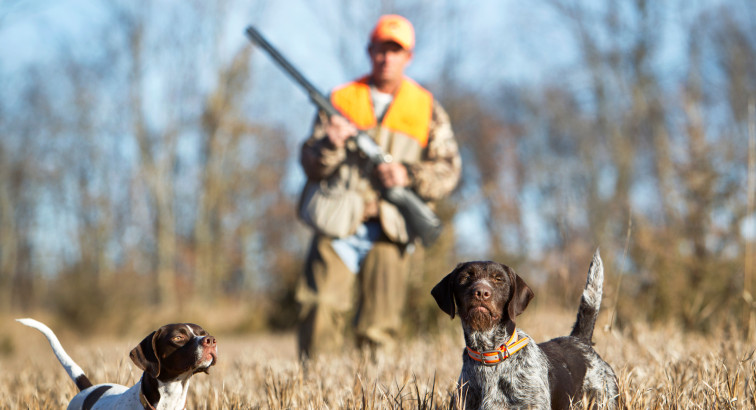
x=464, y=279
x=178, y=338
x=497, y=278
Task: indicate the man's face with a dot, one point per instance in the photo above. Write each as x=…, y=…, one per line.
x=389, y=60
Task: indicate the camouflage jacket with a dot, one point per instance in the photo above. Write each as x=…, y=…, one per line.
x=434, y=170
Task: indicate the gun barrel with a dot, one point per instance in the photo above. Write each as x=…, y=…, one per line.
x=315, y=95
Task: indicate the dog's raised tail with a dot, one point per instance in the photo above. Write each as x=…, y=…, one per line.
x=590, y=301
x=73, y=369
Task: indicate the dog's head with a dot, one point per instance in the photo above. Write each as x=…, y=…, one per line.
x=485, y=294
x=174, y=350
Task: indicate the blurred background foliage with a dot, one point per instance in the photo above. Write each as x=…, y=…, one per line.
x=153, y=160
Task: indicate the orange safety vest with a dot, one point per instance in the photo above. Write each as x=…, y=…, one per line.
x=409, y=113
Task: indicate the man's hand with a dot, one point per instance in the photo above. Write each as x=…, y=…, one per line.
x=339, y=129
x=392, y=174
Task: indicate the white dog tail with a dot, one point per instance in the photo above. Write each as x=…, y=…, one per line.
x=590, y=301
x=73, y=369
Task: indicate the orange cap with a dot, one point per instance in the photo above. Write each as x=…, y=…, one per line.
x=392, y=27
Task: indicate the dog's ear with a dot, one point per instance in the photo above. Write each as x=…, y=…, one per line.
x=443, y=292
x=145, y=356
x=520, y=293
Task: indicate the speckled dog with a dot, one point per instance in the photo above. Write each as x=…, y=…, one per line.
x=502, y=367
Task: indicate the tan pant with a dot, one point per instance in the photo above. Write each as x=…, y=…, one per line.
x=326, y=295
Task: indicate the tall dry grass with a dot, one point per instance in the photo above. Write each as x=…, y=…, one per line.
x=658, y=368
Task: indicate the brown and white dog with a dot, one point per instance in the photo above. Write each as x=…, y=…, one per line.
x=169, y=357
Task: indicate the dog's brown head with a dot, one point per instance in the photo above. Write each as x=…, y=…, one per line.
x=175, y=349
x=485, y=294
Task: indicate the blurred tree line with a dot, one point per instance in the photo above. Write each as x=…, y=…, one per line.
x=132, y=176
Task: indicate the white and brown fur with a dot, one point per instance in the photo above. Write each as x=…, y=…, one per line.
x=488, y=296
x=168, y=356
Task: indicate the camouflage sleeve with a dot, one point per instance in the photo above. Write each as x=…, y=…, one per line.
x=319, y=158
x=438, y=173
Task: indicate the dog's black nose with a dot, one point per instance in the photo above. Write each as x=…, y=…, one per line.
x=482, y=292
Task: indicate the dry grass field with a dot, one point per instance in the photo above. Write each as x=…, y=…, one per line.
x=658, y=368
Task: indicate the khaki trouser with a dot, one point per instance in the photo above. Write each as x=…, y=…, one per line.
x=326, y=295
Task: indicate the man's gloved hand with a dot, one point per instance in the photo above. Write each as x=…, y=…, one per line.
x=339, y=129
x=392, y=174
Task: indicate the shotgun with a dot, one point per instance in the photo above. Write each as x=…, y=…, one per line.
x=420, y=219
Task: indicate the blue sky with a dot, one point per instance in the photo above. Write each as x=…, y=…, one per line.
x=497, y=42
